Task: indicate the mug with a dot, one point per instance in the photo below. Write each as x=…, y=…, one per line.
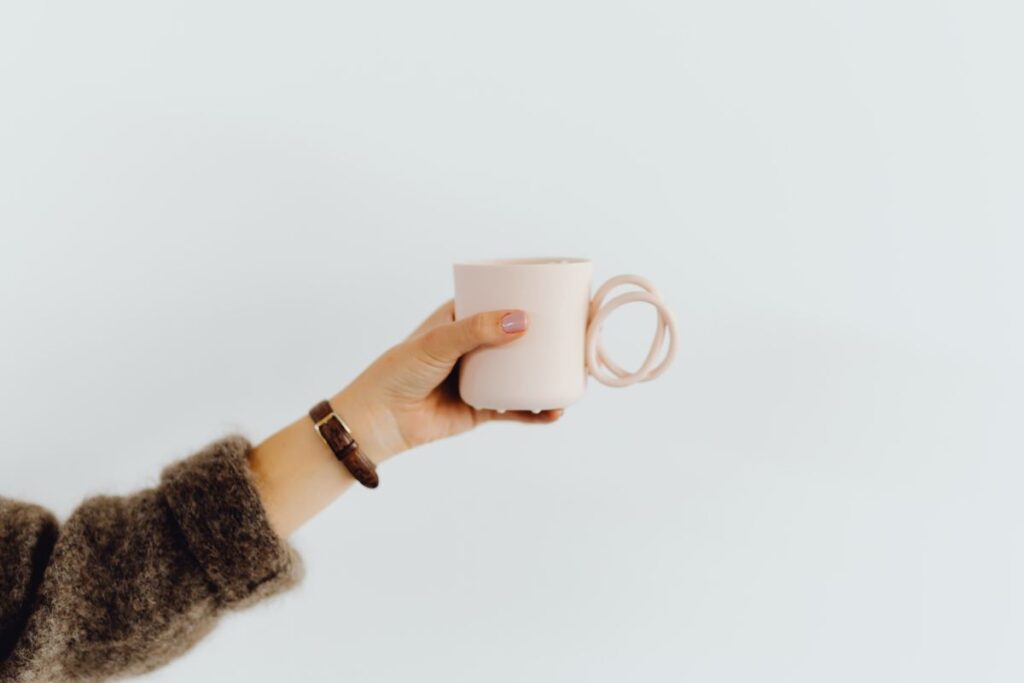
x=547, y=368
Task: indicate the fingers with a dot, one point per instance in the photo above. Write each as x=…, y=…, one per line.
x=543, y=417
x=445, y=313
x=447, y=342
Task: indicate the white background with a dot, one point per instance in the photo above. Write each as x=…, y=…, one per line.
x=213, y=214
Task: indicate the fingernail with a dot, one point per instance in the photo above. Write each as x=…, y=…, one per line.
x=513, y=322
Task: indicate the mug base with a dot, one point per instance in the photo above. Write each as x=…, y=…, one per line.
x=504, y=406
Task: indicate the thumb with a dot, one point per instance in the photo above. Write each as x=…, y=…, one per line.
x=447, y=343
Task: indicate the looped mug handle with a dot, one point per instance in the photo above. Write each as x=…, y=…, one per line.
x=602, y=368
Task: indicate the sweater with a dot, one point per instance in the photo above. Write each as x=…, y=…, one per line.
x=128, y=583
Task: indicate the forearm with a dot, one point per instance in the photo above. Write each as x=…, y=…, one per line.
x=297, y=475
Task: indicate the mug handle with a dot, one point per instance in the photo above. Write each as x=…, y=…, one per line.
x=602, y=368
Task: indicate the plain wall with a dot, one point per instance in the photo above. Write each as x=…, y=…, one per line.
x=213, y=214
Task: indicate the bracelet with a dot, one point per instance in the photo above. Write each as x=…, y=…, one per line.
x=338, y=437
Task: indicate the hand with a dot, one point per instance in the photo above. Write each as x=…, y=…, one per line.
x=409, y=396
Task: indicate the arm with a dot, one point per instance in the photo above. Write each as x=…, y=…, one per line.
x=128, y=583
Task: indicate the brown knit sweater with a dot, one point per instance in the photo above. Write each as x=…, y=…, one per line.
x=128, y=583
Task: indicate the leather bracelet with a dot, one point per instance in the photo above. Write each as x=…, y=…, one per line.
x=338, y=437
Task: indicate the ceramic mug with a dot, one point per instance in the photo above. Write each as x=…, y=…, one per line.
x=547, y=368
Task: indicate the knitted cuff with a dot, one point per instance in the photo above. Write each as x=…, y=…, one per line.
x=27, y=535
x=215, y=503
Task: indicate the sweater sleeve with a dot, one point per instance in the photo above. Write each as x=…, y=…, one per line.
x=128, y=583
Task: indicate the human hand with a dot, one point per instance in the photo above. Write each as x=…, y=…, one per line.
x=409, y=396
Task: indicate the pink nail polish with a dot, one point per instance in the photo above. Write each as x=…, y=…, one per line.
x=513, y=322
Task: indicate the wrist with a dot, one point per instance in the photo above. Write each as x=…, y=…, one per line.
x=373, y=427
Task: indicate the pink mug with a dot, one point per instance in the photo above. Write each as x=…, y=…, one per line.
x=548, y=367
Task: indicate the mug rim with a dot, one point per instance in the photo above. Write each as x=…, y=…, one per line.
x=532, y=262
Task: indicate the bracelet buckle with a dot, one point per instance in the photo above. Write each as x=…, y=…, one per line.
x=327, y=418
